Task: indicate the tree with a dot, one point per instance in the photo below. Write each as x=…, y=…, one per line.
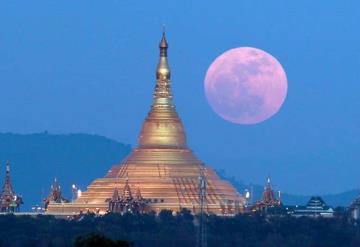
x=95, y=240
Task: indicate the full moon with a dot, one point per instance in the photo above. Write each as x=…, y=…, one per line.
x=245, y=85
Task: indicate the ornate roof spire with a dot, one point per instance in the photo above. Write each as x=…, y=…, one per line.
x=9, y=200
x=268, y=182
x=127, y=191
x=138, y=195
x=7, y=189
x=55, y=195
x=115, y=196
x=269, y=195
x=7, y=167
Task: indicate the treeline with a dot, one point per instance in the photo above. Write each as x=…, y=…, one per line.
x=169, y=230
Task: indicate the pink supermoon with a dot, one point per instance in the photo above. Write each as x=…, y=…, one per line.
x=245, y=85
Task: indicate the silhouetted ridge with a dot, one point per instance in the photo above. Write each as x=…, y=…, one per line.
x=72, y=158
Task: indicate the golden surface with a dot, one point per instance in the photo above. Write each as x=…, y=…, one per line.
x=162, y=166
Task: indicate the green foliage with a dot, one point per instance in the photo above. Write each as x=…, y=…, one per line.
x=179, y=229
x=94, y=240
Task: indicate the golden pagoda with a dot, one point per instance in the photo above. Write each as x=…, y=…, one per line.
x=162, y=166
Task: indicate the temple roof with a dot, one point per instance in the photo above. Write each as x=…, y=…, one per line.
x=269, y=198
x=316, y=202
x=8, y=197
x=55, y=194
x=7, y=187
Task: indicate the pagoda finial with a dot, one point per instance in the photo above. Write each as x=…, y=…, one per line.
x=7, y=177
x=138, y=193
x=115, y=195
x=268, y=181
x=162, y=94
x=127, y=189
x=7, y=166
x=163, y=44
x=163, y=69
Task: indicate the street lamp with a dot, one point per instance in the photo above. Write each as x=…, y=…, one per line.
x=78, y=193
x=74, y=190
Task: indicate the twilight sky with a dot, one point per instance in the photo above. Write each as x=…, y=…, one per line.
x=89, y=66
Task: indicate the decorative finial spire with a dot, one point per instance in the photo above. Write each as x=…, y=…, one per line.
x=127, y=189
x=268, y=183
x=163, y=44
x=163, y=70
x=7, y=166
x=115, y=195
x=138, y=193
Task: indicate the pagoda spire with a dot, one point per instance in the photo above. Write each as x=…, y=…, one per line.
x=138, y=195
x=7, y=185
x=162, y=94
x=55, y=195
x=115, y=195
x=127, y=190
x=268, y=183
x=163, y=69
x=9, y=200
x=162, y=127
x=269, y=195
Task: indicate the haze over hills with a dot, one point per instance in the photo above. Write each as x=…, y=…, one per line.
x=36, y=159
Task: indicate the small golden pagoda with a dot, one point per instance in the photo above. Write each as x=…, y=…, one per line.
x=269, y=200
x=162, y=166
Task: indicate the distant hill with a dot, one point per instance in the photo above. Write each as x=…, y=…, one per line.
x=340, y=199
x=36, y=159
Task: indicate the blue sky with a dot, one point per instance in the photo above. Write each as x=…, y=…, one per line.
x=88, y=66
